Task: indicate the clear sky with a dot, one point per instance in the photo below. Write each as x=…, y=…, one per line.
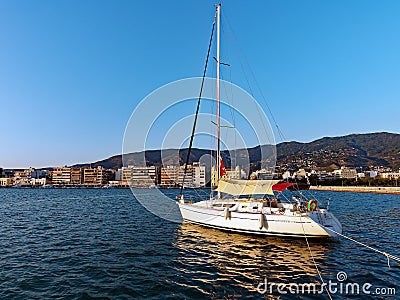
x=71, y=72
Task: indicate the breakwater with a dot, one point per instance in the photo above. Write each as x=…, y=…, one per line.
x=359, y=189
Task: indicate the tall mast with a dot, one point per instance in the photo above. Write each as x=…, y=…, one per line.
x=218, y=96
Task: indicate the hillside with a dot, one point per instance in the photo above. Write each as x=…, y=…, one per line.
x=377, y=149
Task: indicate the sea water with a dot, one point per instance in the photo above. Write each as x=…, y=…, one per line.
x=102, y=244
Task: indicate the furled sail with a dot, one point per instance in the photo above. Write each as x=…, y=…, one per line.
x=237, y=187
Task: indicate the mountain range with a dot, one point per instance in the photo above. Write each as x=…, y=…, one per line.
x=328, y=153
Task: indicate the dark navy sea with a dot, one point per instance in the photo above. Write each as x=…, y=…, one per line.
x=102, y=244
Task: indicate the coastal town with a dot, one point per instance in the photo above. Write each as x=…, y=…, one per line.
x=200, y=149
x=197, y=175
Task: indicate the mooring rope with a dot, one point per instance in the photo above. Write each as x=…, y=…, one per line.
x=388, y=256
x=315, y=264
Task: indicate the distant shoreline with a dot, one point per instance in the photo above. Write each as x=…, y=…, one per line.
x=359, y=189
x=351, y=189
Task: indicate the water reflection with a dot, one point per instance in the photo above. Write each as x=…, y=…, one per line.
x=235, y=263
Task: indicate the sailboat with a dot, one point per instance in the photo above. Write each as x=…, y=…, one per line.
x=251, y=206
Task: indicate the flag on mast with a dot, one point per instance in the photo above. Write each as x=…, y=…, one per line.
x=222, y=170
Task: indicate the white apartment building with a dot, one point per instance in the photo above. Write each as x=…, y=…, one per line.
x=38, y=181
x=169, y=176
x=390, y=175
x=143, y=177
x=61, y=175
x=199, y=175
x=345, y=172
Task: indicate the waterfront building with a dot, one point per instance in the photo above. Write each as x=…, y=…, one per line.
x=126, y=174
x=118, y=174
x=39, y=173
x=89, y=176
x=262, y=174
x=169, y=176
x=348, y=173
x=134, y=175
x=38, y=182
x=61, y=175
x=236, y=173
x=6, y=182
x=361, y=175
x=110, y=175
x=186, y=180
x=199, y=174
x=390, y=175
x=337, y=173
x=345, y=172
x=22, y=177
x=76, y=176
x=114, y=183
x=324, y=175
x=142, y=177
x=103, y=176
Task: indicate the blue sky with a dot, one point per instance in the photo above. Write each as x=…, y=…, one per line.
x=71, y=72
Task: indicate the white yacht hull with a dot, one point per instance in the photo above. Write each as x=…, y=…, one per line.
x=261, y=223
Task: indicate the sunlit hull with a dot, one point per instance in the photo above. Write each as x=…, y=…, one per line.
x=314, y=224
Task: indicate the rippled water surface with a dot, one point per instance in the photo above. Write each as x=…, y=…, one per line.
x=100, y=244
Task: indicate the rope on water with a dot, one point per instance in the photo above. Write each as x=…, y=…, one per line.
x=388, y=256
x=315, y=264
